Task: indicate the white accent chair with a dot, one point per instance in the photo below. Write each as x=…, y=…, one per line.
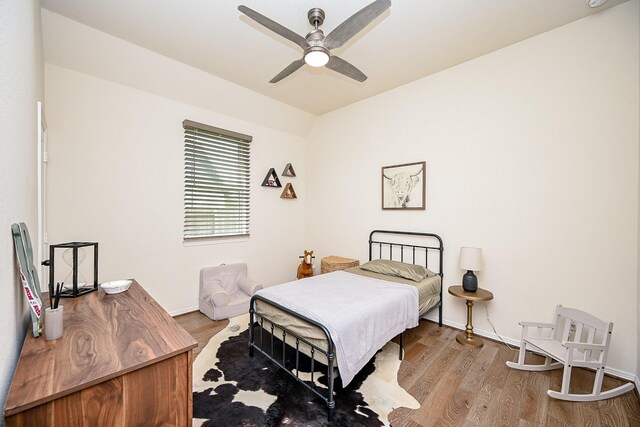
x=576, y=339
x=225, y=291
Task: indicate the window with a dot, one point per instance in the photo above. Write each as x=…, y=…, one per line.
x=216, y=182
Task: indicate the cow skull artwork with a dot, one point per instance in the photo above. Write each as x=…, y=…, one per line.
x=402, y=185
x=399, y=183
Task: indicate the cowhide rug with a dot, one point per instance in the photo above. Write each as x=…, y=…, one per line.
x=232, y=389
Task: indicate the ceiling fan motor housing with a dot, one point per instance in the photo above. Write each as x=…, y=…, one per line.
x=315, y=37
x=316, y=17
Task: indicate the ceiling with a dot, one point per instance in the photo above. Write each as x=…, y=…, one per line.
x=411, y=40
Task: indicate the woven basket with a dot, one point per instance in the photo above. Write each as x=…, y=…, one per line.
x=335, y=263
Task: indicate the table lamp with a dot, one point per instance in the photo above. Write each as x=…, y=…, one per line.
x=470, y=260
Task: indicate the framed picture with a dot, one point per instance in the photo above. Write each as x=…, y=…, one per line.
x=404, y=186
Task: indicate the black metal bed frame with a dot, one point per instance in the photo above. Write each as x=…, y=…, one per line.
x=329, y=353
x=390, y=245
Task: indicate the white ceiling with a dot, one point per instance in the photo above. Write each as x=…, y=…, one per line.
x=411, y=40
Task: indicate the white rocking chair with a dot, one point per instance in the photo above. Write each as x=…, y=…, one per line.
x=576, y=339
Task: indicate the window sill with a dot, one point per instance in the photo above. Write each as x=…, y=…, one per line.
x=215, y=241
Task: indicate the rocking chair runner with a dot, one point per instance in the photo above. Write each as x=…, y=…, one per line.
x=575, y=339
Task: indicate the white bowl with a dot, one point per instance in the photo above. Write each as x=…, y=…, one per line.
x=116, y=286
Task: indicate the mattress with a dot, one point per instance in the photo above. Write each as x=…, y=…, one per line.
x=428, y=297
x=428, y=288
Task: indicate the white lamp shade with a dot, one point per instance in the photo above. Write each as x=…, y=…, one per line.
x=471, y=259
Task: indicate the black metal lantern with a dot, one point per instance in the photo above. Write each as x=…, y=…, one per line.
x=73, y=254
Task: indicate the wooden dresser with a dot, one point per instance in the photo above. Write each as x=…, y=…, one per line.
x=121, y=361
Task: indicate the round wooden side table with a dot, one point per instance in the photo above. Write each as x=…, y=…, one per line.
x=467, y=337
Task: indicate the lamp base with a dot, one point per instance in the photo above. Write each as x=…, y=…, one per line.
x=469, y=282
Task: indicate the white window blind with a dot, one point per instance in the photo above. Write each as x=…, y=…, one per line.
x=216, y=182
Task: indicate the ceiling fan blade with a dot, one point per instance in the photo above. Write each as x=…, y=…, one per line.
x=274, y=26
x=343, y=67
x=287, y=71
x=353, y=25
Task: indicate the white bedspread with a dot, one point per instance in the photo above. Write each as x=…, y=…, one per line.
x=361, y=314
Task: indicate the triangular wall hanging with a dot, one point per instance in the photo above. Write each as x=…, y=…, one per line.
x=288, y=170
x=288, y=192
x=271, y=180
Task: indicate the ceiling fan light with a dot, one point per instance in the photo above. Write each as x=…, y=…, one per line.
x=316, y=57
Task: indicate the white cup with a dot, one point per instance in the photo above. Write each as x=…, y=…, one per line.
x=53, y=323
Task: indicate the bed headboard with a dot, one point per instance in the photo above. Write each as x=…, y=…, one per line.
x=408, y=246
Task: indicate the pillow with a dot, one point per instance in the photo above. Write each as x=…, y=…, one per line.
x=396, y=268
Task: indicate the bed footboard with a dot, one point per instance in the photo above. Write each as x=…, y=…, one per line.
x=256, y=319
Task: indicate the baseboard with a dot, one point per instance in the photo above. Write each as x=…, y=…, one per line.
x=628, y=376
x=183, y=311
x=476, y=331
x=623, y=375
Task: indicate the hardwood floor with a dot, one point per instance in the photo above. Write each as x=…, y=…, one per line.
x=465, y=386
x=200, y=327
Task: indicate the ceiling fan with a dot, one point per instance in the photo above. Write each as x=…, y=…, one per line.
x=316, y=46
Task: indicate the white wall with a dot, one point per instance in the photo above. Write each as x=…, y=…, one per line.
x=532, y=155
x=116, y=175
x=116, y=156
x=21, y=80
x=72, y=45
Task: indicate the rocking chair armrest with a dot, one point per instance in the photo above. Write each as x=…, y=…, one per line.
x=583, y=345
